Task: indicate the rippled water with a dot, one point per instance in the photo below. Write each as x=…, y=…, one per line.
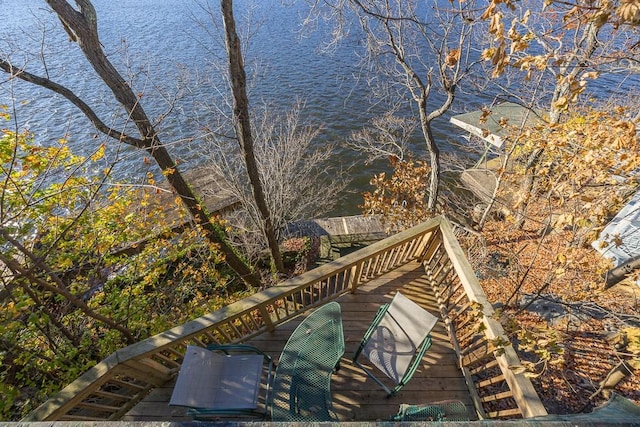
x=158, y=42
x=165, y=40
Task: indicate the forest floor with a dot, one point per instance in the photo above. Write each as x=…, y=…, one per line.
x=569, y=330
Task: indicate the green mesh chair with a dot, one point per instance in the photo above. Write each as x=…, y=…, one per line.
x=223, y=380
x=450, y=410
x=396, y=341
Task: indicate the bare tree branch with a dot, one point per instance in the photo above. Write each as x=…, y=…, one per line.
x=74, y=99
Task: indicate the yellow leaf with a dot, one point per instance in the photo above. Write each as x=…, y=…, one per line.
x=561, y=104
x=99, y=154
x=629, y=11
x=487, y=54
x=496, y=26
x=490, y=10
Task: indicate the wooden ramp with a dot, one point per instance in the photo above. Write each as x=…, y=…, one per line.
x=355, y=396
x=480, y=181
x=216, y=197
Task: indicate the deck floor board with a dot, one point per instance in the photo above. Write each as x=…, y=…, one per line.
x=355, y=396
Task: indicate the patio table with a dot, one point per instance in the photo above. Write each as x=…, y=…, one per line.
x=301, y=390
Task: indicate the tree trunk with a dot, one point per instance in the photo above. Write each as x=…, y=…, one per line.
x=434, y=155
x=527, y=186
x=82, y=27
x=243, y=128
x=562, y=89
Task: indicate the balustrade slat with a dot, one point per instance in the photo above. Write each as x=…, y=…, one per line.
x=493, y=363
x=391, y=261
x=98, y=407
x=247, y=327
x=224, y=333
x=505, y=413
x=455, y=314
x=490, y=381
x=167, y=361
x=369, y=272
x=441, y=278
x=198, y=341
x=344, y=282
x=399, y=255
x=440, y=257
x=382, y=265
x=437, y=271
x=460, y=297
x=467, y=335
x=109, y=395
x=212, y=338
x=410, y=251
x=472, y=359
x=432, y=247
x=497, y=396
x=152, y=372
x=454, y=288
x=375, y=270
x=126, y=384
x=481, y=344
x=234, y=329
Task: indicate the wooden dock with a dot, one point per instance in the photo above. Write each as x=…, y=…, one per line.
x=356, y=225
x=355, y=396
x=339, y=235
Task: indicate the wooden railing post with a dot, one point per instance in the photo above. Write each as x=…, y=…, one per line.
x=267, y=318
x=355, y=273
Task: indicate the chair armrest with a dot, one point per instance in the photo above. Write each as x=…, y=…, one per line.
x=239, y=348
x=382, y=310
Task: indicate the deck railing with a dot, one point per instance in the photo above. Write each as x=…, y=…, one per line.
x=112, y=387
x=500, y=388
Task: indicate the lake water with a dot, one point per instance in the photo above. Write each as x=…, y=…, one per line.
x=161, y=43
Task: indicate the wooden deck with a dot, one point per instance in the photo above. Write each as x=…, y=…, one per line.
x=356, y=397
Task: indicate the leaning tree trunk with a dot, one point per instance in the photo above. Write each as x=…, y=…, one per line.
x=243, y=128
x=434, y=154
x=82, y=27
x=434, y=160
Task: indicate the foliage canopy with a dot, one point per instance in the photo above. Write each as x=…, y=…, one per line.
x=87, y=267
